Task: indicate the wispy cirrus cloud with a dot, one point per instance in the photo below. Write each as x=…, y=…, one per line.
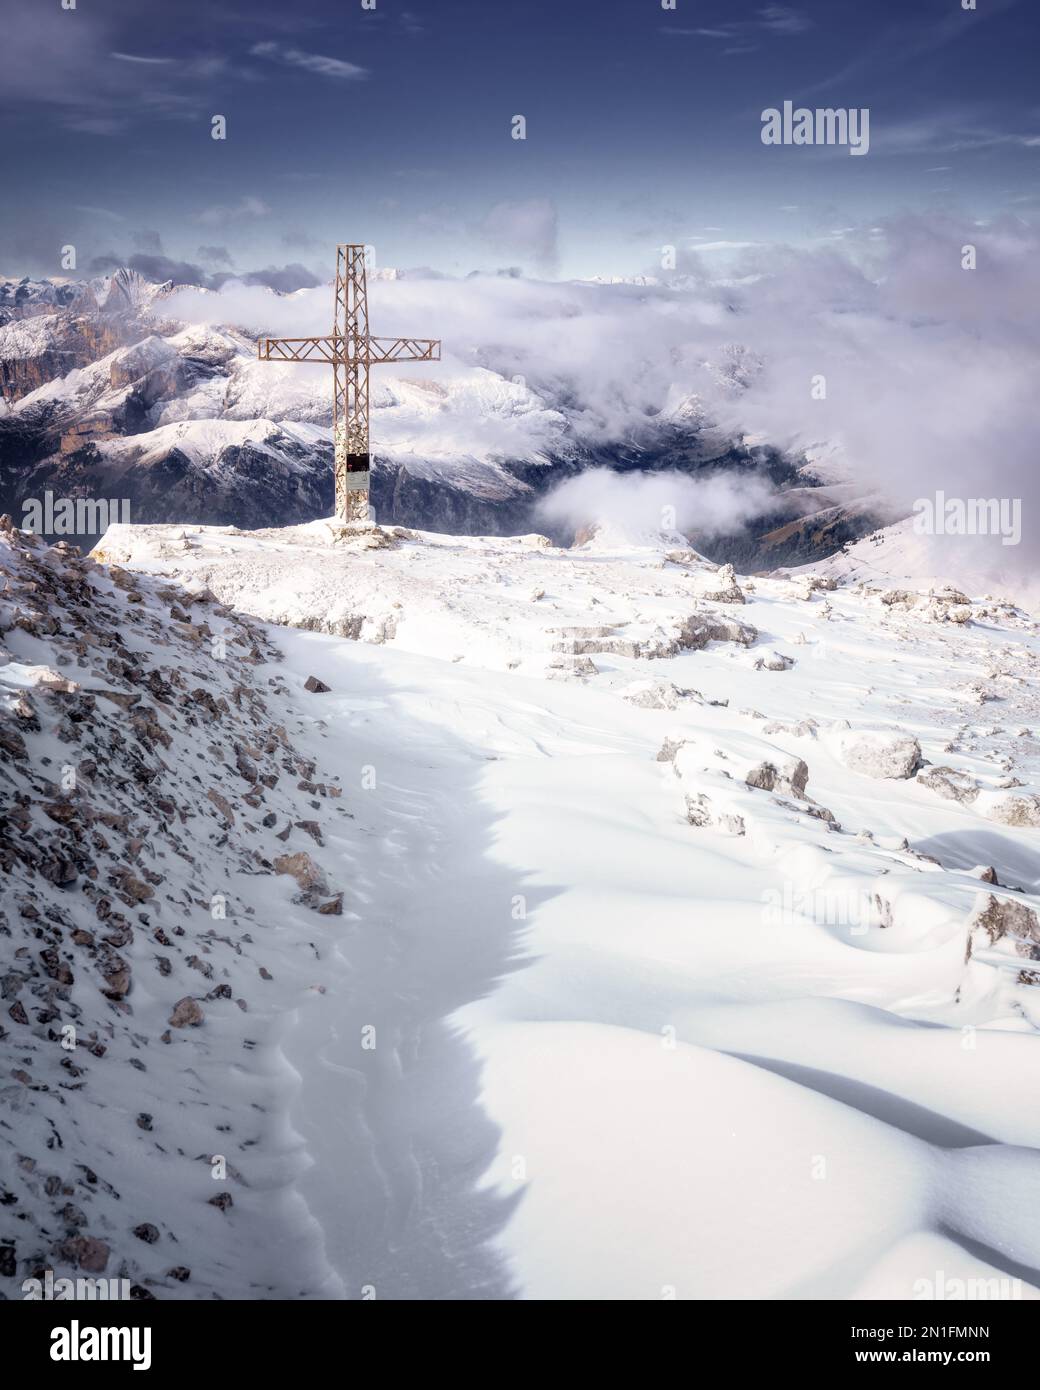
x=106, y=213
x=783, y=19
x=139, y=58
x=248, y=206
x=318, y=63
x=948, y=131
x=912, y=36
x=771, y=19
x=92, y=81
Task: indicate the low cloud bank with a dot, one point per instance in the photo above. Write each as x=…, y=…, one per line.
x=157, y=267
x=643, y=504
x=922, y=372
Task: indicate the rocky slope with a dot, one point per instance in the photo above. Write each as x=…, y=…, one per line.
x=166, y=885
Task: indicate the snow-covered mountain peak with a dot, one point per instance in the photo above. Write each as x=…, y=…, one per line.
x=127, y=289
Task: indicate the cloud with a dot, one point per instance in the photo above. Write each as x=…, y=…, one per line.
x=94, y=125
x=643, y=504
x=106, y=213
x=247, y=206
x=930, y=369
x=912, y=35
x=285, y=279
x=526, y=229
x=772, y=19
x=216, y=255
x=89, y=82
x=136, y=58
x=782, y=19
x=148, y=240
x=152, y=267
x=945, y=130
x=723, y=245
x=309, y=62
x=297, y=239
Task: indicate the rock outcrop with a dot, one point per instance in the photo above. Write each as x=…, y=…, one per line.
x=879, y=753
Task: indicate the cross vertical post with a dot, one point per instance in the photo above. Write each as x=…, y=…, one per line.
x=350, y=394
x=350, y=350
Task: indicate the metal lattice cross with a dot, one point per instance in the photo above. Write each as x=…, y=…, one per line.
x=351, y=351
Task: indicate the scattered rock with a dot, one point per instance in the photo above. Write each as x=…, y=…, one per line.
x=315, y=686
x=792, y=779
x=877, y=753
x=699, y=629
x=1022, y=812
x=222, y=804
x=90, y=1254
x=948, y=783
x=702, y=812
x=725, y=587
x=651, y=694
x=775, y=661
x=986, y=873
x=1002, y=918
x=187, y=1013
x=303, y=869
x=669, y=749
x=805, y=728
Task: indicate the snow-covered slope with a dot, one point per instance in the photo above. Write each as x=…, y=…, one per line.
x=689, y=941
x=899, y=555
x=169, y=903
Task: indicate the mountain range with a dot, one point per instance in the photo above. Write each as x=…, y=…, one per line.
x=106, y=393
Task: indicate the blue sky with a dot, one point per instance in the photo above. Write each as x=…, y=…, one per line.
x=392, y=126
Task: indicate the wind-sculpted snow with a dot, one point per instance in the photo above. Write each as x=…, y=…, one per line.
x=732, y=1014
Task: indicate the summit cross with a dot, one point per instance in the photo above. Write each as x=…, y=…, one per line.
x=350, y=351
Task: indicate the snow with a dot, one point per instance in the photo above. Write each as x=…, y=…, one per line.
x=654, y=1029
x=96, y=385
x=202, y=441
x=28, y=337
x=898, y=556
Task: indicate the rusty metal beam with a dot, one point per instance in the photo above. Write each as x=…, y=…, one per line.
x=335, y=349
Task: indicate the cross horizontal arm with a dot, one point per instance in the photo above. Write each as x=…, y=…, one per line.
x=336, y=349
x=301, y=349
x=404, y=350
